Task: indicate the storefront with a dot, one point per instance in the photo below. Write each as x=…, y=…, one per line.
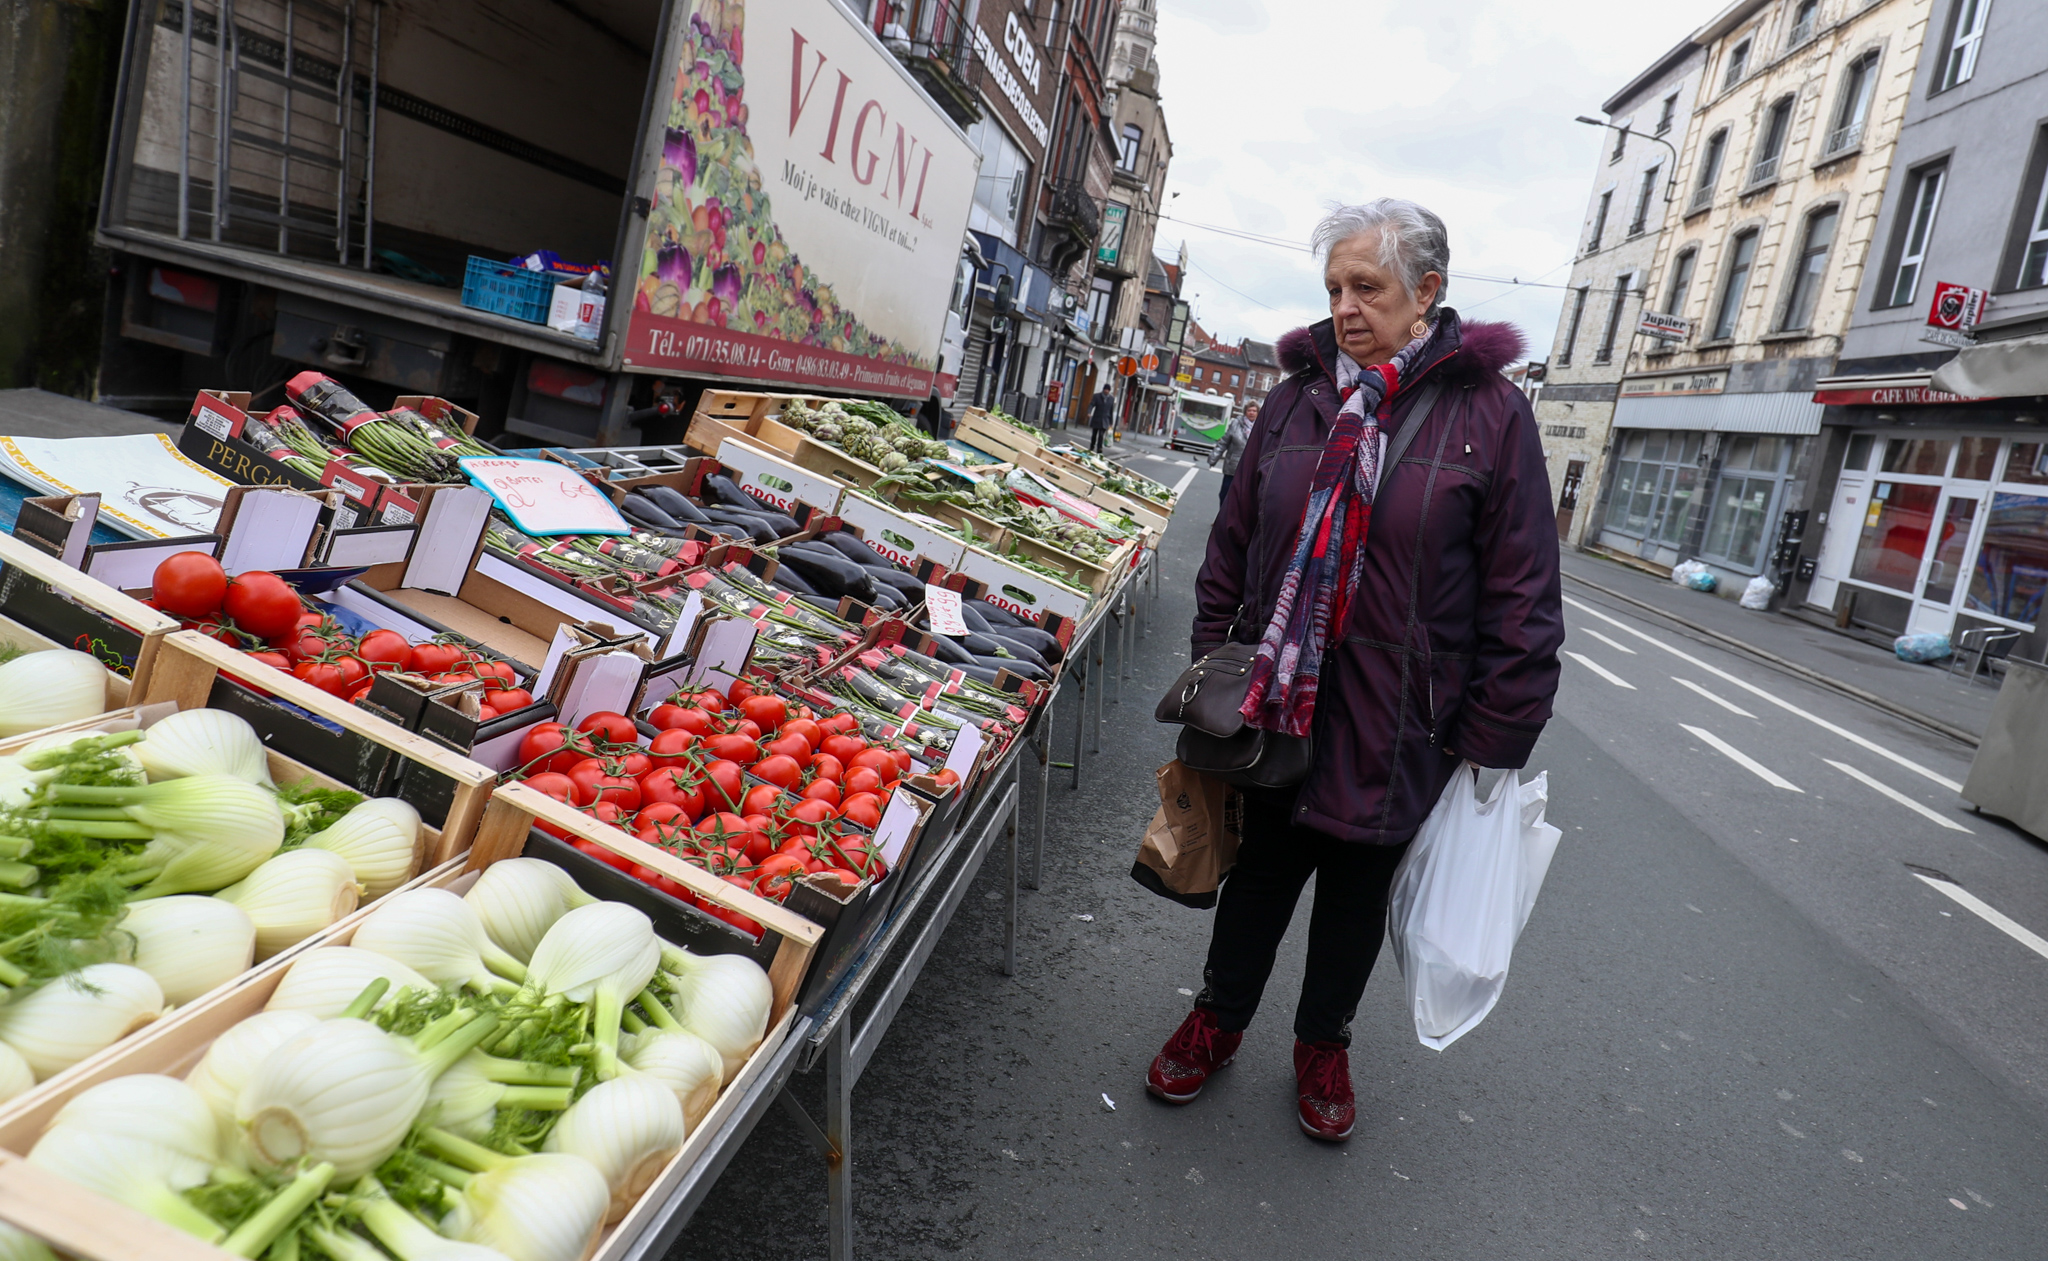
x=1937, y=511
x=1698, y=474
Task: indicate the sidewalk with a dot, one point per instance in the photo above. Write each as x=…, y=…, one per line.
x=1925, y=689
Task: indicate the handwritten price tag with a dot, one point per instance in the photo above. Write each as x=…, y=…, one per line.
x=943, y=607
x=545, y=498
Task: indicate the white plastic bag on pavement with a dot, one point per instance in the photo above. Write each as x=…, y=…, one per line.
x=1460, y=897
x=1756, y=594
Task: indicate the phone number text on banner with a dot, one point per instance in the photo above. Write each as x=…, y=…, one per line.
x=663, y=344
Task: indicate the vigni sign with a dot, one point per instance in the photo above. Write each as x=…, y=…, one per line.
x=806, y=214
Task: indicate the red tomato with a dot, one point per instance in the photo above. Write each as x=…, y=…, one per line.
x=275, y=660
x=732, y=747
x=825, y=766
x=353, y=670
x=856, y=853
x=510, y=699
x=654, y=879
x=607, y=812
x=325, y=675
x=486, y=668
x=841, y=723
x=262, y=603
x=690, y=718
x=881, y=760
x=740, y=690
x=671, y=786
x=762, y=799
x=779, y=769
x=554, y=784
x=595, y=782
x=671, y=748
x=864, y=809
x=634, y=764
x=947, y=776
x=306, y=645
x=740, y=726
x=825, y=790
x=726, y=786
x=547, y=746
x=484, y=713
x=603, y=855
x=710, y=698
x=767, y=711
x=813, y=734
x=793, y=747
x=659, y=812
x=189, y=584
x=903, y=761
x=452, y=678
x=861, y=779
x=607, y=725
x=432, y=658
x=383, y=650
x=776, y=874
x=843, y=747
x=356, y=697
x=847, y=879
x=803, y=818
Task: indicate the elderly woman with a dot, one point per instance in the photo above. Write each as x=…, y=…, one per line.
x=1388, y=543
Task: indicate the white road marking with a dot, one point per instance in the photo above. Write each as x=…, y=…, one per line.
x=1989, y=914
x=1615, y=644
x=1189, y=476
x=1188, y=463
x=1600, y=670
x=1156, y=458
x=1728, y=705
x=1896, y=795
x=1743, y=760
x=1785, y=705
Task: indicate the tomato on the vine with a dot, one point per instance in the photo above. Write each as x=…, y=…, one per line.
x=732, y=747
x=432, y=658
x=844, y=747
x=825, y=766
x=328, y=676
x=603, y=855
x=864, y=809
x=275, y=660
x=793, y=747
x=861, y=779
x=881, y=760
x=825, y=790
x=262, y=603
x=554, y=784
x=671, y=748
x=596, y=782
x=813, y=734
x=709, y=698
x=841, y=724
x=672, y=786
x=761, y=799
x=383, y=650
x=487, y=668
x=779, y=769
x=767, y=711
x=189, y=584
x=691, y=718
x=725, y=786
x=608, y=725
x=510, y=699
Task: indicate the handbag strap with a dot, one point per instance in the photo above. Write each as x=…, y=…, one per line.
x=1410, y=426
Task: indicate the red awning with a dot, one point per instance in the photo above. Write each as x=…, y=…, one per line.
x=1889, y=391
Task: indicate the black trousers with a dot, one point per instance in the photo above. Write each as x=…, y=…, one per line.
x=1257, y=901
x=1095, y=437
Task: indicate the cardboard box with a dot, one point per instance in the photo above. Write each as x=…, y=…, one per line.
x=1021, y=591
x=776, y=480
x=578, y=313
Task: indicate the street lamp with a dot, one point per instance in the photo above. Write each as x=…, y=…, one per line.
x=1670, y=184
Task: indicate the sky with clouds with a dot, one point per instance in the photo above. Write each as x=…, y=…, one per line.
x=1466, y=107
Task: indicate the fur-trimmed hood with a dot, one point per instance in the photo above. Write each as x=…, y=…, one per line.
x=1484, y=347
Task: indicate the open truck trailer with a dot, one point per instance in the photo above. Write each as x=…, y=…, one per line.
x=307, y=183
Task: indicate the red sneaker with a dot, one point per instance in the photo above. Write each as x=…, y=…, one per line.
x=1326, y=1106
x=1196, y=1049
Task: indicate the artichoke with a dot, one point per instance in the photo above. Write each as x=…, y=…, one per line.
x=893, y=461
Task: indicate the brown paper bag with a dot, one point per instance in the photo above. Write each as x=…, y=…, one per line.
x=1193, y=837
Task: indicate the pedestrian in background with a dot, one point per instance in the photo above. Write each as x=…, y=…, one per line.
x=1101, y=411
x=1408, y=621
x=1232, y=446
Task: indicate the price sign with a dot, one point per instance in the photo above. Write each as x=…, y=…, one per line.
x=545, y=498
x=943, y=608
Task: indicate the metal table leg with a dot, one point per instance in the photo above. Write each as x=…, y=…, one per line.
x=1010, y=909
x=840, y=1073
x=1044, y=751
x=1101, y=687
x=1080, y=677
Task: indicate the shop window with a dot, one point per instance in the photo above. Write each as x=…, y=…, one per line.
x=1894, y=534
x=2028, y=464
x=2011, y=572
x=1858, y=458
x=1740, y=510
x=1923, y=457
x=1975, y=458
x=1655, y=481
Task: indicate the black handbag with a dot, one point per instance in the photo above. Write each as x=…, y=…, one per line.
x=1206, y=699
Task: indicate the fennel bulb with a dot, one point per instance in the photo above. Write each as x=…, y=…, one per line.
x=150, y=1108
x=189, y=943
x=79, y=1013
x=519, y=899
x=43, y=689
x=378, y=838
x=604, y=953
x=208, y=831
x=628, y=1128
x=438, y=934
x=18, y=1245
x=347, y=1092
x=203, y=742
x=533, y=1208
x=685, y=1063
x=293, y=895
x=406, y=1236
x=219, y=1076
x=723, y=999
x=326, y=980
x=131, y=1171
x=16, y=1078
x=465, y=1099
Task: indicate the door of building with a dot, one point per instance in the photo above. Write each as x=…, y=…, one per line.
x=1944, y=578
x=1568, y=497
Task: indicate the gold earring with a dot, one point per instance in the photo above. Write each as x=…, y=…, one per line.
x=1420, y=328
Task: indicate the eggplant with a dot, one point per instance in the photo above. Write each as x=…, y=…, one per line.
x=972, y=616
x=903, y=584
x=1045, y=643
x=793, y=582
x=785, y=525
x=1015, y=665
x=747, y=525
x=887, y=598
x=643, y=511
x=730, y=493
x=1020, y=650
x=852, y=548
x=979, y=645
x=837, y=576
x=996, y=615
x=976, y=670
x=675, y=504
x=819, y=602
x=949, y=652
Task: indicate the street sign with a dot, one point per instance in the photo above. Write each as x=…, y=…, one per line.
x=1052, y=391
x=1667, y=327
x=1184, y=379
x=1127, y=366
x=1150, y=362
x=1953, y=312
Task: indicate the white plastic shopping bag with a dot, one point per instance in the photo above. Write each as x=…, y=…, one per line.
x=1460, y=897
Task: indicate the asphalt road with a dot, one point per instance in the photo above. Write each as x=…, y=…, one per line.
x=1740, y=1024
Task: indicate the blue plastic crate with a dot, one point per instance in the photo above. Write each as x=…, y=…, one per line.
x=502, y=289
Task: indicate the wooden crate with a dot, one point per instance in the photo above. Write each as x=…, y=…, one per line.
x=23, y=563
x=86, y=1225
x=189, y=663
x=709, y=433
x=1006, y=442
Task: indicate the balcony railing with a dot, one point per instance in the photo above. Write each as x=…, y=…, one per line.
x=1702, y=197
x=1075, y=210
x=1800, y=34
x=1765, y=170
x=1843, y=138
x=935, y=42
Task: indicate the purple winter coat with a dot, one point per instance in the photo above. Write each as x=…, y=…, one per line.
x=1452, y=648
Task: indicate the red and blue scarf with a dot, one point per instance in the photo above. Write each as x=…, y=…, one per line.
x=1329, y=549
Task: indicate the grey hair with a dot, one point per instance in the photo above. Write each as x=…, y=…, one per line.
x=1413, y=241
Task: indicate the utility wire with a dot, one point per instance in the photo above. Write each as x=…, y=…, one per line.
x=1296, y=245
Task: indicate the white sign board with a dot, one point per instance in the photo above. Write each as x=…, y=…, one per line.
x=1668, y=327
x=543, y=497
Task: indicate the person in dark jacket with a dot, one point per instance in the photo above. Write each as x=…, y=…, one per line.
x=1420, y=637
x=1101, y=411
x=1231, y=449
